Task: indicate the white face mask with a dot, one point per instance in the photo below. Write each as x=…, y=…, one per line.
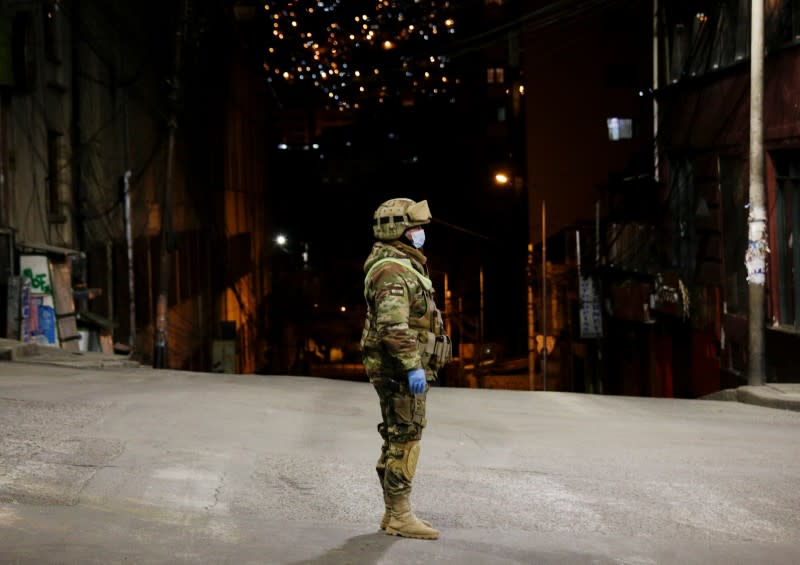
x=418, y=238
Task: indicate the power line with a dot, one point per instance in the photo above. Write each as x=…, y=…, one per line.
x=557, y=12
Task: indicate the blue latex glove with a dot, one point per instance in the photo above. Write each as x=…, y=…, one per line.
x=416, y=381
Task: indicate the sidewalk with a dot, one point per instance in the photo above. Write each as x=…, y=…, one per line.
x=785, y=396
x=13, y=350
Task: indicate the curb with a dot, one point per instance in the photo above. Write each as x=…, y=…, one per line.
x=17, y=351
x=11, y=350
x=763, y=395
x=768, y=397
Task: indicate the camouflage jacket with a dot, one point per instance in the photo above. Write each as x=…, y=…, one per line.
x=401, y=312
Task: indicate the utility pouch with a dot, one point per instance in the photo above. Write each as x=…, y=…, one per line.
x=436, y=350
x=442, y=350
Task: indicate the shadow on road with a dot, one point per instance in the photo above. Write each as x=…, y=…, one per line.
x=364, y=549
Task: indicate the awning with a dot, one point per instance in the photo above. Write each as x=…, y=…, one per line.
x=29, y=247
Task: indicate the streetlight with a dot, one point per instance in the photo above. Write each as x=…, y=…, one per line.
x=296, y=278
x=282, y=242
x=501, y=178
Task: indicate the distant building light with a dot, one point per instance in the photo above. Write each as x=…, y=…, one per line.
x=315, y=145
x=283, y=146
x=619, y=128
x=501, y=179
x=343, y=308
x=280, y=239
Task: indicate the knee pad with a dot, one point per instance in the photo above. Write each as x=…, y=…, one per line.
x=403, y=458
x=410, y=458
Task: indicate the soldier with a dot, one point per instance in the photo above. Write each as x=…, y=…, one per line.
x=403, y=346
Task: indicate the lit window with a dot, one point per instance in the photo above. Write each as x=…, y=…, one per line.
x=495, y=75
x=619, y=128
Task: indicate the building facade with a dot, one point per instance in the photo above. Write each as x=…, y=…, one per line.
x=145, y=169
x=704, y=139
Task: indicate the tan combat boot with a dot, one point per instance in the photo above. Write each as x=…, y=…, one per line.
x=387, y=514
x=404, y=523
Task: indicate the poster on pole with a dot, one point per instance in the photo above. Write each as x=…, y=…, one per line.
x=591, y=319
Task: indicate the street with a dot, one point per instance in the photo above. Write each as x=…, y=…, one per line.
x=132, y=465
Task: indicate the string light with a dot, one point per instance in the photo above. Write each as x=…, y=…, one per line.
x=360, y=55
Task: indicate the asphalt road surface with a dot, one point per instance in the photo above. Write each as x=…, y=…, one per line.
x=140, y=466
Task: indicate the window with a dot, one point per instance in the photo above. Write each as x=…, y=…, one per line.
x=495, y=75
x=787, y=172
x=619, y=128
x=52, y=30
x=781, y=21
x=682, y=213
x=705, y=35
x=679, y=42
x=742, y=26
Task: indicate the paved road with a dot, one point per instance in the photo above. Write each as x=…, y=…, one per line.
x=129, y=465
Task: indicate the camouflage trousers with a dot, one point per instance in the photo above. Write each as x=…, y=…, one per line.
x=403, y=419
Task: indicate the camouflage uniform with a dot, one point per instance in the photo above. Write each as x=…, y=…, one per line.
x=403, y=346
x=401, y=316
x=402, y=339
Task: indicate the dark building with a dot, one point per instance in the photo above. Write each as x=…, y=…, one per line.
x=704, y=141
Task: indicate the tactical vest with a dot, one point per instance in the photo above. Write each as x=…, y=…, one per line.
x=433, y=344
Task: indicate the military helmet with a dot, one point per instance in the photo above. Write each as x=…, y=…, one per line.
x=395, y=216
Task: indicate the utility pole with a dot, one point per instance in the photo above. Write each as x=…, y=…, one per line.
x=161, y=345
x=756, y=255
x=656, y=156
x=531, y=328
x=544, y=295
